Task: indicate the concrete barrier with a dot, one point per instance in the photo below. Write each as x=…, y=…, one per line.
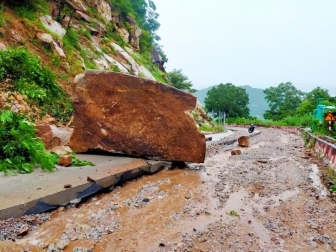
x=322, y=147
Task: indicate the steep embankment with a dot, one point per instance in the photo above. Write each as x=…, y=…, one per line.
x=71, y=36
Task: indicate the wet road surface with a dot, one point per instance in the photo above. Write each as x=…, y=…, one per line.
x=269, y=198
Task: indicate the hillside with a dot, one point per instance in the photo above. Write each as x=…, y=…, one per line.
x=257, y=102
x=70, y=36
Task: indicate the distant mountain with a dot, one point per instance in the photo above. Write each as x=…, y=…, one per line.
x=257, y=102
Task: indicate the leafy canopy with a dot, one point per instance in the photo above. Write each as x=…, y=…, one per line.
x=309, y=103
x=229, y=99
x=179, y=80
x=282, y=100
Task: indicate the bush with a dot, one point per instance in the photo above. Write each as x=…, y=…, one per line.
x=28, y=76
x=20, y=149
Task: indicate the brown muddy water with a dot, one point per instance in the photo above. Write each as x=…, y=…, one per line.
x=269, y=198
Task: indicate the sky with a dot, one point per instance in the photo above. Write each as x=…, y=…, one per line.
x=260, y=43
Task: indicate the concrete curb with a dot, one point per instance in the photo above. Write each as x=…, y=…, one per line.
x=14, y=204
x=323, y=148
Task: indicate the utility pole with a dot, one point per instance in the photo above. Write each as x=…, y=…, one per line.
x=224, y=116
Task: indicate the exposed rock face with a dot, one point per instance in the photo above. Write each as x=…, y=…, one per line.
x=201, y=116
x=135, y=68
x=121, y=113
x=52, y=25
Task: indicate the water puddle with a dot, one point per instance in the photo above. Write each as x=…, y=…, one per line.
x=219, y=136
x=317, y=183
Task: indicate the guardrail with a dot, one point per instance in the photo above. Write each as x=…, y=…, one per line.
x=325, y=149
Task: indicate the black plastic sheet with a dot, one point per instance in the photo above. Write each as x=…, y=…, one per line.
x=40, y=207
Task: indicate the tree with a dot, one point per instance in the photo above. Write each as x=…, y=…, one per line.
x=282, y=100
x=179, y=80
x=309, y=103
x=227, y=99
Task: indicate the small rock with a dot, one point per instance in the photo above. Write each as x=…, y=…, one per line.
x=45, y=38
x=52, y=248
x=146, y=200
x=235, y=152
x=23, y=231
x=61, y=244
x=90, y=179
x=243, y=141
x=201, y=239
x=65, y=160
x=67, y=186
x=60, y=209
x=75, y=201
x=3, y=47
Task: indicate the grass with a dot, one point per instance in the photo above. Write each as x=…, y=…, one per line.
x=2, y=19
x=29, y=77
x=216, y=128
x=233, y=213
x=299, y=121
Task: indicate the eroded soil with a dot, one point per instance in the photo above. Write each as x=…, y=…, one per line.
x=269, y=198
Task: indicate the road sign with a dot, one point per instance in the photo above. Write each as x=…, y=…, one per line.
x=329, y=117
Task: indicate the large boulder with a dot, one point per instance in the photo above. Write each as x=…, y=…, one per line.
x=116, y=112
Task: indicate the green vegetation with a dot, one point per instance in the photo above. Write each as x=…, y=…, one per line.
x=233, y=213
x=178, y=80
x=216, y=128
x=333, y=188
x=20, y=150
x=283, y=101
x=304, y=120
x=78, y=162
x=308, y=104
x=2, y=19
x=29, y=9
x=227, y=99
x=26, y=75
x=145, y=15
x=70, y=40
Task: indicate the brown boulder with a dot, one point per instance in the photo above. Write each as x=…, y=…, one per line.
x=235, y=152
x=55, y=138
x=121, y=113
x=243, y=141
x=65, y=160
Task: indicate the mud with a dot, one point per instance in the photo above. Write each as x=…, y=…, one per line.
x=269, y=198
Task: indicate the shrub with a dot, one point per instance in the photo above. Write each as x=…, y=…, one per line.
x=70, y=40
x=28, y=76
x=20, y=149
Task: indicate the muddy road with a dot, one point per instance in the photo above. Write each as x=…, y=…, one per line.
x=269, y=198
